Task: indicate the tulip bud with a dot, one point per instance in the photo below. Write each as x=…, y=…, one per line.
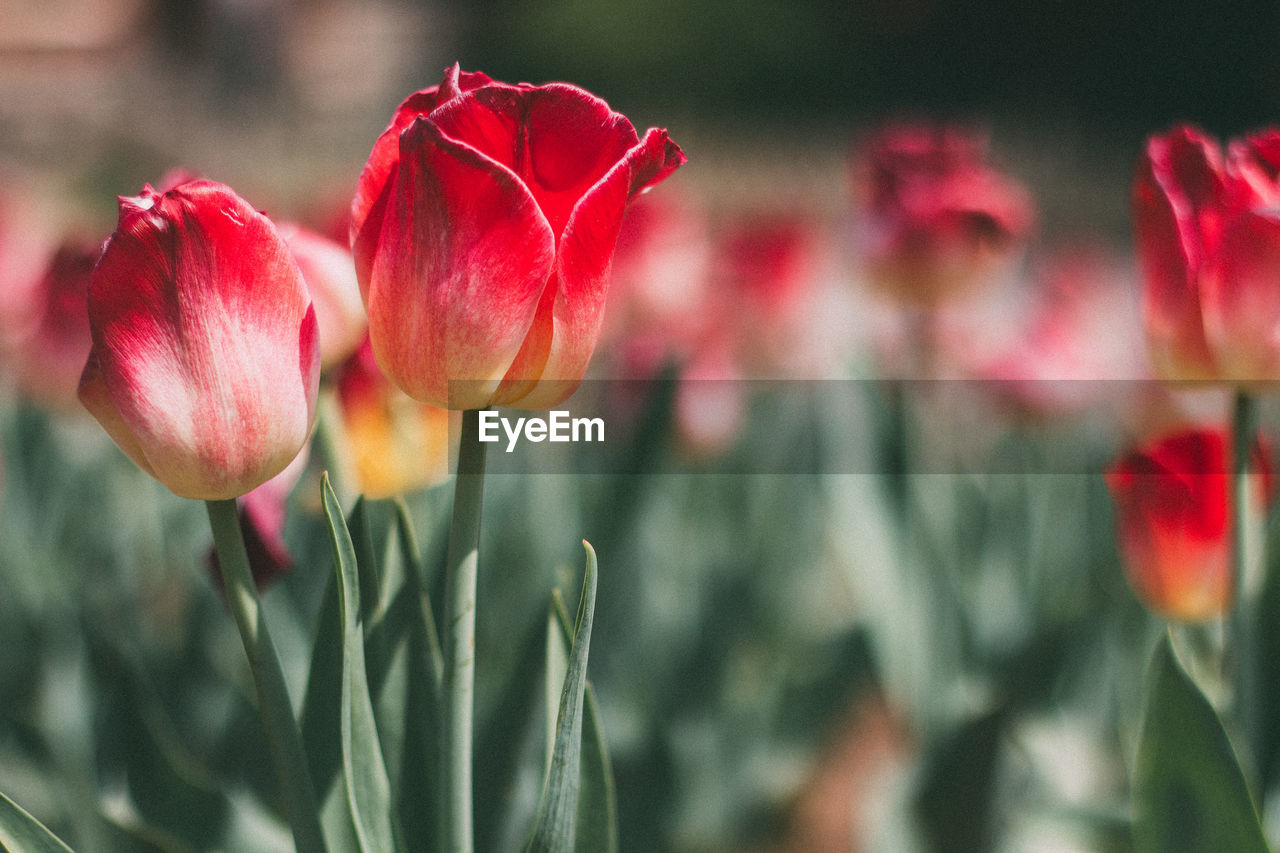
x=205, y=361
x=1171, y=501
x=483, y=228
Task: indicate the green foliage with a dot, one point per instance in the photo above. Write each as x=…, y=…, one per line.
x=1189, y=792
x=364, y=772
x=560, y=811
x=21, y=833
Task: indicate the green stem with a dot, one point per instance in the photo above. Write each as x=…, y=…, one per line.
x=283, y=737
x=460, y=637
x=1244, y=427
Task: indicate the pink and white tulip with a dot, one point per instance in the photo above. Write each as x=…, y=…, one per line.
x=206, y=360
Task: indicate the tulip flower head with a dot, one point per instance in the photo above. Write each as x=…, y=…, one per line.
x=1208, y=234
x=1172, y=522
x=935, y=220
x=483, y=228
x=205, y=361
x=1066, y=347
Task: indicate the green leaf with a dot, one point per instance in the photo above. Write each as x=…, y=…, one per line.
x=413, y=575
x=366, y=562
x=172, y=790
x=364, y=771
x=559, y=639
x=1189, y=792
x=321, y=720
x=555, y=830
x=597, y=822
x=403, y=656
x=21, y=833
x=122, y=834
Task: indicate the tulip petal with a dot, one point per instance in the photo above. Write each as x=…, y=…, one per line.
x=193, y=304
x=96, y=398
x=558, y=138
x=564, y=333
x=331, y=282
x=465, y=242
x=1255, y=160
x=1177, y=179
x=370, y=199
x=1241, y=299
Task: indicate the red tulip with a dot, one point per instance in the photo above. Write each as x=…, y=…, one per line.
x=1209, y=241
x=483, y=228
x=762, y=280
x=1172, y=518
x=205, y=360
x=935, y=220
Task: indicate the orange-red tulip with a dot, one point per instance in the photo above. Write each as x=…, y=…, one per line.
x=1171, y=499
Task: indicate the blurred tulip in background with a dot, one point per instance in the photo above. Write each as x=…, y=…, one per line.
x=1209, y=243
x=934, y=219
x=1171, y=497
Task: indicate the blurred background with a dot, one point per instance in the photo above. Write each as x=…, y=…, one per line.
x=837, y=613
x=304, y=86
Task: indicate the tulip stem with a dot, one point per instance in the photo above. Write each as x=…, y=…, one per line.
x=1244, y=427
x=283, y=737
x=460, y=637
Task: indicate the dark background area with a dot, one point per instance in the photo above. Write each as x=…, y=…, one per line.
x=1127, y=66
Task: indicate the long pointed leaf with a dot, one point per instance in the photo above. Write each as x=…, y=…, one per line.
x=597, y=823
x=1189, y=792
x=321, y=720
x=21, y=833
x=364, y=771
x=366, y=561
x=559, y=639
x=556, y=826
